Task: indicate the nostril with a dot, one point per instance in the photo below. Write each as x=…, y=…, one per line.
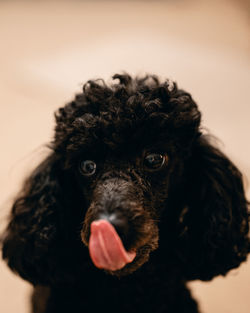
x=119, y=222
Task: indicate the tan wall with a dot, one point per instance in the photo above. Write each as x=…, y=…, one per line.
x=49, y=49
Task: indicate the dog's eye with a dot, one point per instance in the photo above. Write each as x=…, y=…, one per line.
x=154, y=161
x=87, y=167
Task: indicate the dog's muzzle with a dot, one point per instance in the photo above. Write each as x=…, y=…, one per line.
x=108, y=224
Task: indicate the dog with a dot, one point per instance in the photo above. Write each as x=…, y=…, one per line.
x=132, y=202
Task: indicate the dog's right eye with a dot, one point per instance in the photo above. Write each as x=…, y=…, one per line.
x=87, y=167
x=154, y=161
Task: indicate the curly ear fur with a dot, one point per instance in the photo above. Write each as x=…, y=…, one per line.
x=214, y=225
x=39, y=226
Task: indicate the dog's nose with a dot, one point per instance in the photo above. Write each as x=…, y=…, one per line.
x=119, y=222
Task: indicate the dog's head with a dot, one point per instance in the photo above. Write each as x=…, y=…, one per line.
x=126, y=144
x=132, y=171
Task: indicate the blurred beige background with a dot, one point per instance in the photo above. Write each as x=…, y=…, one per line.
x=49, y=48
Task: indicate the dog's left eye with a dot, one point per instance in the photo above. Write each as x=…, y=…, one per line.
x=87, y=167
x=154, y=161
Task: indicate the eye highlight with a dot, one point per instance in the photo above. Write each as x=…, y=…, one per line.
x=154, y=161
x=87, y=167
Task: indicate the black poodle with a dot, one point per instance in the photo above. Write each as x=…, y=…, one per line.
x=132, y=203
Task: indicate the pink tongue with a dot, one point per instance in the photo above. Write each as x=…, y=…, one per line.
x=106, y=248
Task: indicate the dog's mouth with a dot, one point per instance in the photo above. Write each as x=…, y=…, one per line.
x=106, y=247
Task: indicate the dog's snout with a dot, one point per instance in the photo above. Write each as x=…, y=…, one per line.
x=119, y=222
x=115, y=199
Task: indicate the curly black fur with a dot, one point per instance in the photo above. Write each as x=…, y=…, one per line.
x=189, y=220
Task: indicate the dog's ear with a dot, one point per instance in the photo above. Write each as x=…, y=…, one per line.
x=214, y=225
x=37, y=243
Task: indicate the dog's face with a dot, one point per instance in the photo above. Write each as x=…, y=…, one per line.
x=128, y=191
x=125, y=152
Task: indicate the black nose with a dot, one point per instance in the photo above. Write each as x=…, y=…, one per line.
x=119, y=222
